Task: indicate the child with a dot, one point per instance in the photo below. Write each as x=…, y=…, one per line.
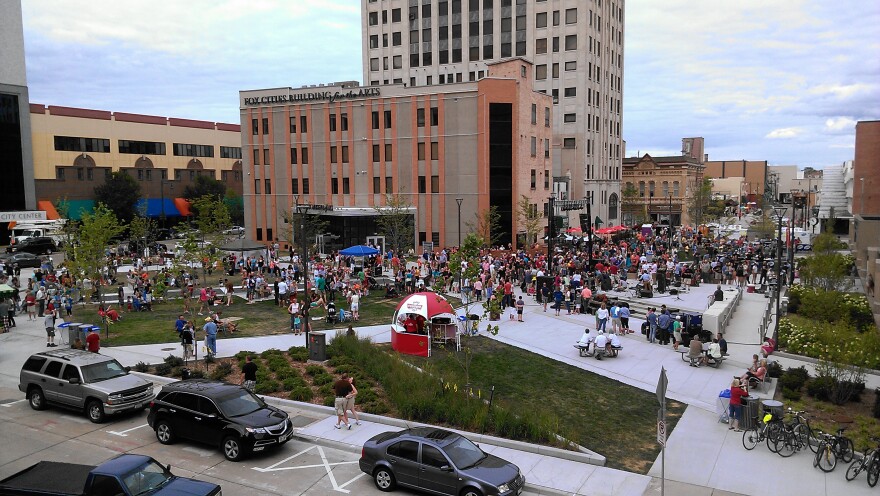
x=296, y=326
x=129, y=304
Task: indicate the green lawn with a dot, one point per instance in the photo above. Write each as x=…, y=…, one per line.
x=260, y=319
x=612, y=418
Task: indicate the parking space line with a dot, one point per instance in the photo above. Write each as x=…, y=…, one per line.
x=126, y=431
x=356, y=477
x=7, y=405
x=326, y=464
x=330, y=471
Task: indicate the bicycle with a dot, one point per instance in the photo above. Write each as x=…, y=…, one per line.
x=801, y=425
x=794, y=436
x=832, y=447
x=768, y=431
x=870, y=462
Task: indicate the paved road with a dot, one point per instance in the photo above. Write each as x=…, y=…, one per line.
x=61, y=435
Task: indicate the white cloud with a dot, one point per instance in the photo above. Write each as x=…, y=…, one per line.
x=843, y=91
x=784, y=133
x=840, y=124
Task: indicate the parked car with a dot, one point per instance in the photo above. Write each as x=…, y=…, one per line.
x=438, y=461
x=85, y=381
x=38, y=245
x=219, y=414
x=234, y=231
x=23, y=259
x=124, y=475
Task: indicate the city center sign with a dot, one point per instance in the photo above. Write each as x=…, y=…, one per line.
x=313, y=96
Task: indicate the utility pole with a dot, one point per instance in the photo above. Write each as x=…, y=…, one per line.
x=551, y=214
x=589, y=234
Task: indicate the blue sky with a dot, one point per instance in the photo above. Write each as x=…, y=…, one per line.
x=777, y=80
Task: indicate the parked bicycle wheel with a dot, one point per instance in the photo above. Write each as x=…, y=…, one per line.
x=873, y=471
x=751, y=438
x=826, y=458
x=805, y=437
x=785, y=445
x=855, y=468
x=845, y=449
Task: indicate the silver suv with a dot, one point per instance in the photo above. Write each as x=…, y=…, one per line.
x=85, y=381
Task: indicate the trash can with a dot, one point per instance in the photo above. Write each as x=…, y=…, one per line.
x=750, y=288
x=184, y=373
x=774, y=407
x=84, y=331
x=72, y=331
x=749, y=412
x=317, y=346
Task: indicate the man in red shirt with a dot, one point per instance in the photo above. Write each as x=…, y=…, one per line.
x=508, y=295
x=93, y=341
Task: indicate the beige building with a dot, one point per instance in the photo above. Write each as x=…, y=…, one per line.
x=345, y=148
x=74, y=150
x=664, y=186
x=577, y=48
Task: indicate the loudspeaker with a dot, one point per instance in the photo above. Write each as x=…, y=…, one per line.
x=673, y=291
x=646, y=294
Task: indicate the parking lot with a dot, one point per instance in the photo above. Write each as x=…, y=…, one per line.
x=61, y=435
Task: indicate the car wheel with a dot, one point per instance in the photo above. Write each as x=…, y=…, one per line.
x=233, y=450
x=164, y=433
x=384, y=479
x=469, y=491
x=36, y=399
x=95, y=411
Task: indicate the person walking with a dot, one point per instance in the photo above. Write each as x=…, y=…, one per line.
x=651, y=317
x=342, y=388
x=210, y=329
x=187, y=338
x=557, y=300
x=30, y=301
x=349, y=402
x=520, y=306
x=293, y=310
x=249, y=374
x=601, y=317
x=49, y=324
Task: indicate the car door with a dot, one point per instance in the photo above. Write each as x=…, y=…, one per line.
x=70, y=393
x=436, y=473
x=208, y=425
x=183, y=414
x=49, y=380
x=404, y=459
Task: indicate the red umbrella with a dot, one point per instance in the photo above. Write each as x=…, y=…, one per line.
x=605, y=230
x=574, y=230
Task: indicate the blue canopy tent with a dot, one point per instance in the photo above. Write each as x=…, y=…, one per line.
x=359, y=251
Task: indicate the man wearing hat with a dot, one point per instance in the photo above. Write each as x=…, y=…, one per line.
x=210, y=329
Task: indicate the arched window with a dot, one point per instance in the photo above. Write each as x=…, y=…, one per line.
x=665, y=188
x=642, y=189
x=675, y=188
x=612, y=206
x=651, y=189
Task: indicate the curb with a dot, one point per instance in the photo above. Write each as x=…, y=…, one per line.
x=814, y=361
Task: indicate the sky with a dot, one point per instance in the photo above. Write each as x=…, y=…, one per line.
x=777, y=80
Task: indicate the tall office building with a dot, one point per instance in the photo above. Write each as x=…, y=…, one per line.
x=577, y=49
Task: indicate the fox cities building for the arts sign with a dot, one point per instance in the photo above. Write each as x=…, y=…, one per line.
x=313, y=96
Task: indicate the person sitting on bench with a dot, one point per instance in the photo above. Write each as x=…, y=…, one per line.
x=758, y=375
x=695, y=351
x=600, y=345
x=613, y=344
x=714, y=353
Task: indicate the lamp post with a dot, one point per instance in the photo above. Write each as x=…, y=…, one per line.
x=459, y=201
x=162, y=195
x=303, y=210
x=779, y=211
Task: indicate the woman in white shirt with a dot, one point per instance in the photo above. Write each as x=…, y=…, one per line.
x=355, y=305
x=601, y=318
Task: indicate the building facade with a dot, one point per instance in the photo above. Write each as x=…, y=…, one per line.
x=75, y=149
x=577, y=48
x=663, y=188
x=346, y=148
x=16, y=162
x=753, y=172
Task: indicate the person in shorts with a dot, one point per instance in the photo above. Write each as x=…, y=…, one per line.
x=49, y=324
x=349, y=403
x=343, y=389
x=249, y=374
x=520, y=305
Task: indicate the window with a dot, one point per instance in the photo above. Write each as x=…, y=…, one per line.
x=305, y=185
x=333, y=122
x=256, y=186
x=255, y=127
x=431, y=456
x=569, y=118
x=571, y=16
x=406, y=450
x=555, y=17
x=344, y=154
x=533, y=179
x=59, y=174
x=435, y=184
x=571, y=42
x=105, y=485
x=259, y=234
x=555, y=71
x=373, y=19
x=74, y=144
x=377, y=184
x=334, y=157
x=387, y=119
x=541, y=72
x=268, y=186
x=70, y=372
x=435, y=116
x=568, y=143
x=395, y=15
x=53, y=369
x=294, y=186
x=421, y=151
x=546, y=116
x=230, y=152
x=187, y=150
x=256, y=157
x=546, y=148
x=304, y=155
x=397, y=62
x=675, y=189
x=570, y=92
x=612, y=206
x=141, y=147
x=343, y=119
x=374, y=64
x=665, y=188
x=376, y=152
x=303, y=126
x=541, y=20
x=555, y=44
x=334, y=186
x=420, y=117
x=375, y=116
x=541, y=45
x=374, y=41
x=293, y=156
x=534, y=147
x=571, y=65
x=435, y=150
x=265, y=125
x=266, y=156
x=422, y=184
x=389, y=184
x=388, y=152
x=534, y=113
x=346, y=189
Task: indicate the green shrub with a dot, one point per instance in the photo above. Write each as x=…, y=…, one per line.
x=314, y=370
x=277, y=363
x=141, y=367
x=329, y=400
x=270, y=352
x=326, y=389
x=821, y=388
x=791, y=394
x=174, y=361
x=321, y=379
x=163, y=369
x=346, y=368
x=774, y=369
x=292, y=383
x=221, y=371
x=196, y=374
x=298, y=353
x=302, y=393
x=375, y=407
x=267, y=387
x=287, y=373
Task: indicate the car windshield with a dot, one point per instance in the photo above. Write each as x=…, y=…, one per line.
x=146, y=478
x=464, y=453
x=102, y=371
x=238, y=403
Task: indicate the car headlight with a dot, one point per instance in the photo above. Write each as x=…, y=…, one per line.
x=256, y=430
x=503, y=488
x=114, y=398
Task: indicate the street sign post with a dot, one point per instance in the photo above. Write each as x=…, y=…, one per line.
x=661, y=432
x=662, y=383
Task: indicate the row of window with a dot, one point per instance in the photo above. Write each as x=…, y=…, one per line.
x=102, y=145
x=264, y=186
x=534, y=178
x=145, y=174
x=651, y=188
x=301, y=155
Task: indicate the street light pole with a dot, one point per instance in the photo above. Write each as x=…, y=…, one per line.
x=459, y=201
x=550, y=234
x=779, y=211
x=303, y=210
x=162, y=195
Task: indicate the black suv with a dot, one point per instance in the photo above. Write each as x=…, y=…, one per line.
x=39, y=245
x=218, y=413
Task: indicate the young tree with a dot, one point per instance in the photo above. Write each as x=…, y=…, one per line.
x=395, y=222
x=487, y=225
x=212, y=218
x=295, y=223
x=90, y=245
x=235, y=204
x=141, y=231
x=119, y=193
x=697, y=204
x=632, y=205
x=530, y=219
